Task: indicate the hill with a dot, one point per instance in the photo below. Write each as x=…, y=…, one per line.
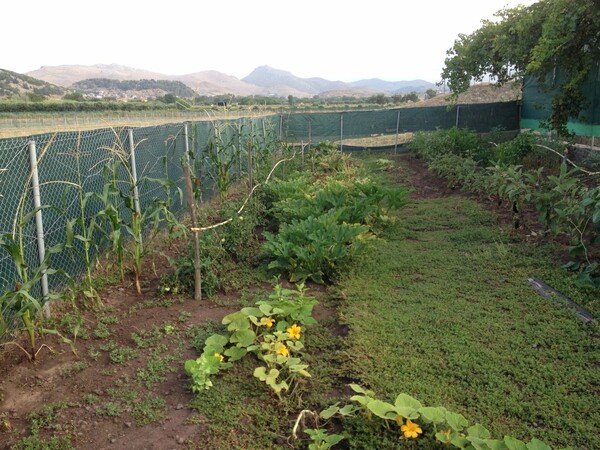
x=477, y=93
x=67, y=75
x=16, y=84
x=271, y=78
x=263, y=80
x=394, y=87
x=211, y=82
x=133, y=88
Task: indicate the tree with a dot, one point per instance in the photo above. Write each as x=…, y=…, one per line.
x=535, y=40
x=378, y=99
x=410, y=97
x=167, y=98
x=75, y=96
x=430, y=93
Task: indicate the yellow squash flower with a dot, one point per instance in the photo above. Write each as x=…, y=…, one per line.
x=221, y=358
x=411, y=429
x=294, y=331
x=267, y=322
x=283, y=350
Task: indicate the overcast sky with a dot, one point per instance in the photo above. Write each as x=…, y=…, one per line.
x=338, y=40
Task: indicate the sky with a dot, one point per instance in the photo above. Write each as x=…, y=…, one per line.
x=392, y=40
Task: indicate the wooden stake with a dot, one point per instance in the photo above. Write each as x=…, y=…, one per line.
x=192, y=207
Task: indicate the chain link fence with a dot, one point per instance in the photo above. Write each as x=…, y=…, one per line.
x=49, y=181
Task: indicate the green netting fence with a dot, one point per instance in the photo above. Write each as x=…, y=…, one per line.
x=537, y=103
x=315, y=127
x=68, y=164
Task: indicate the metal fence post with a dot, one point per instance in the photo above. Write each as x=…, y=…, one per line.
x=136, y=196
x=341, y=132
x=457, y=115
x=39, y=223
x=397, y=129
x=280, y=126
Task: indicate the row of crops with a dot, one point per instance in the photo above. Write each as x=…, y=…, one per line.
x=557, y=184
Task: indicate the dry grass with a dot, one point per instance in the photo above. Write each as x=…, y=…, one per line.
x=379, y=140
x=22, y=125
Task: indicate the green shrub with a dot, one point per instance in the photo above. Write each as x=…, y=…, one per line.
x=361, y=201
x=514, y=151
x=314, y=248
x=457, y=141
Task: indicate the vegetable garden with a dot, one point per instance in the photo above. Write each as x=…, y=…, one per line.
x=318, y=299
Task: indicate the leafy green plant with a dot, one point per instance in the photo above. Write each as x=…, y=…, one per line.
x=514, y=151
x=270, y=330
x=82, y=230
x=221, y=155
x=460, y=171
x=416, y=421
x=457, y=141
x=20, y=303
x=321, y=440
x=315, y=248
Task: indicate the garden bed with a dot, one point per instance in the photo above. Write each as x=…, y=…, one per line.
x=440, y=310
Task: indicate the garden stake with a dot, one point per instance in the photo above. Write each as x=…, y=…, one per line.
x=192, y=206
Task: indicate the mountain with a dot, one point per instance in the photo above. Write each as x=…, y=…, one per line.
x=273, y=79
x=263, y=80
x=16, y=84
x=66, y=75
x=211, y=82
x=394, y=87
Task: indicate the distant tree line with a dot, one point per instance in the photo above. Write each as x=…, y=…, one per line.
x=71, y=106
x=77, y=102
x=173, y=87
x=396, y=99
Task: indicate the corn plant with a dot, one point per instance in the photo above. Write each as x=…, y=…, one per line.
x=83, y=229
x=221, y=157
x=109, y=217
x=143, y=229
x=19, y=302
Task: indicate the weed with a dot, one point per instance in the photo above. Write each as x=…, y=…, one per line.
x=184, y=316
x=515, y=358
x=150, y=409
x=101, y=331
x=74, y=369
x=94, y=354
x=90, y=399
x=120, y=355
x=44, y=417
x=123, y=394
x=109, y=320
x=157, y=367
x=148, y=339
x=110, y=409
x=108, y=346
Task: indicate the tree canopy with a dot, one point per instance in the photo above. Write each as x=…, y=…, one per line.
x=536, y=40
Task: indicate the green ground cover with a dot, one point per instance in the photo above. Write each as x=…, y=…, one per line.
x=442, y=310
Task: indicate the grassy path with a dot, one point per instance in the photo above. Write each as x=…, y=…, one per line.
x=442, y=310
